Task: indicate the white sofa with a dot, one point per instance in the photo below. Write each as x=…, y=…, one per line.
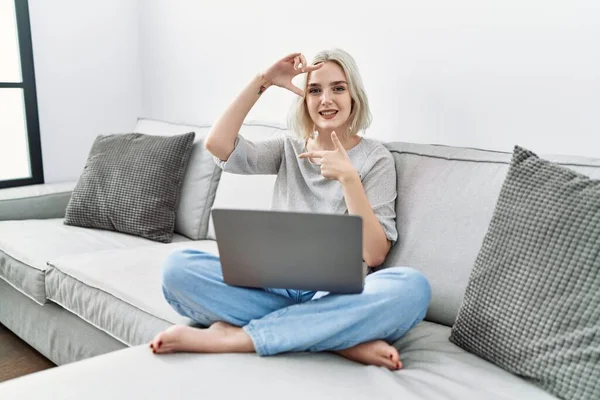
x=76, y=293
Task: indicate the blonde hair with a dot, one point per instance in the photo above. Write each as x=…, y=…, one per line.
x=360, y=115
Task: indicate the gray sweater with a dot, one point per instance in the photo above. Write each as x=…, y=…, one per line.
x=299, y=185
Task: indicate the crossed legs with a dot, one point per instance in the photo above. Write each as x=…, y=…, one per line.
x=360, y=327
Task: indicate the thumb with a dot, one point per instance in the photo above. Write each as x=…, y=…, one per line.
x=290, y=86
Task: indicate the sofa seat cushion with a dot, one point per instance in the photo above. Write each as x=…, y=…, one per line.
x=434, y=369
x=119, y=291
x=26, y=246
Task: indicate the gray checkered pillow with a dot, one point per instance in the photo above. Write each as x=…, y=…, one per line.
x=131, y=184
x=532, y=304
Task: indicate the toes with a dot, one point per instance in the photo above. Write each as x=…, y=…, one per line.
x=163, y=350
x=165, y=347
x=389, y=352
x=392, y=357
x=153, y=346
x=393, y=354
x=389, y=364
x=157, y=342
x=392, y=365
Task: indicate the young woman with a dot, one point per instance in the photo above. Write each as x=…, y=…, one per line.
x=329, y=168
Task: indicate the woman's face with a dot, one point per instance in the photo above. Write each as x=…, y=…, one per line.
x=328, y=99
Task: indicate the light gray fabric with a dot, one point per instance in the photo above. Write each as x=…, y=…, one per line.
x=446, y=198
x=253, y=192
x=35, y=201
x=300, y=185
x=26, y=246
x=118, y=291
x=131, y=183
x=532, y=304
x=434, y=369
x=200, y=180
x=28, y=280
x=59, y=335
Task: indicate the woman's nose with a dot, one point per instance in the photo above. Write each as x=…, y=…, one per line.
x=325, y=97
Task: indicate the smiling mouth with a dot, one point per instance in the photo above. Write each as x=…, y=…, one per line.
x=328, y=114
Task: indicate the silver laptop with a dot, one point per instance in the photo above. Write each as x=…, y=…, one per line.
x=290, y=250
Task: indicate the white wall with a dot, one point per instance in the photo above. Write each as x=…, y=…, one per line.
x=474, y=73
x=87, y=74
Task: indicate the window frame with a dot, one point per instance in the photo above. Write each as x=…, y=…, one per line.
x=30, y=98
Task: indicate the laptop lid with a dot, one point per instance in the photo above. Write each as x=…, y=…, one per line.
x=290, y=250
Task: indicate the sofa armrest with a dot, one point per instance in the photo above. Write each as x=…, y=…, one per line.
x=43, y=201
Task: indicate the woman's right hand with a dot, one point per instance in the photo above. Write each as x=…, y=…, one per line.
x=283, y=71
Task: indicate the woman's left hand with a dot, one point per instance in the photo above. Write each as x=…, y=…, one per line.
x=335, y=164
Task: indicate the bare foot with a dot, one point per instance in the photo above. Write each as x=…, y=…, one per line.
x=376, y=352
x=221, y=337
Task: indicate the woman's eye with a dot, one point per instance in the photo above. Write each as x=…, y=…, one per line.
x=339, y=89
x=313, y=90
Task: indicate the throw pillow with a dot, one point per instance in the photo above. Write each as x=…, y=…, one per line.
x=131, y=184
x=532, y=303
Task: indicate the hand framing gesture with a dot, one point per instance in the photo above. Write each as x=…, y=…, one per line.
x=283, y=71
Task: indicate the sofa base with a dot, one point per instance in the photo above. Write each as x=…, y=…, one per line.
x=57, y=334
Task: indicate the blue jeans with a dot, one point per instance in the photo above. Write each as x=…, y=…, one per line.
x=394, y=300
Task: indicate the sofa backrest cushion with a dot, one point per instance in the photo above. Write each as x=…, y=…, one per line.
x=254, y=192
x=446, y=198
x=200, y=180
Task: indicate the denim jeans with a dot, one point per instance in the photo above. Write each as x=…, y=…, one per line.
x=394, y=300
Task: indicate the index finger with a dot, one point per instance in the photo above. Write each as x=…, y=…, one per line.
x=313, y=154
x=336, y=141
x=315, y=67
